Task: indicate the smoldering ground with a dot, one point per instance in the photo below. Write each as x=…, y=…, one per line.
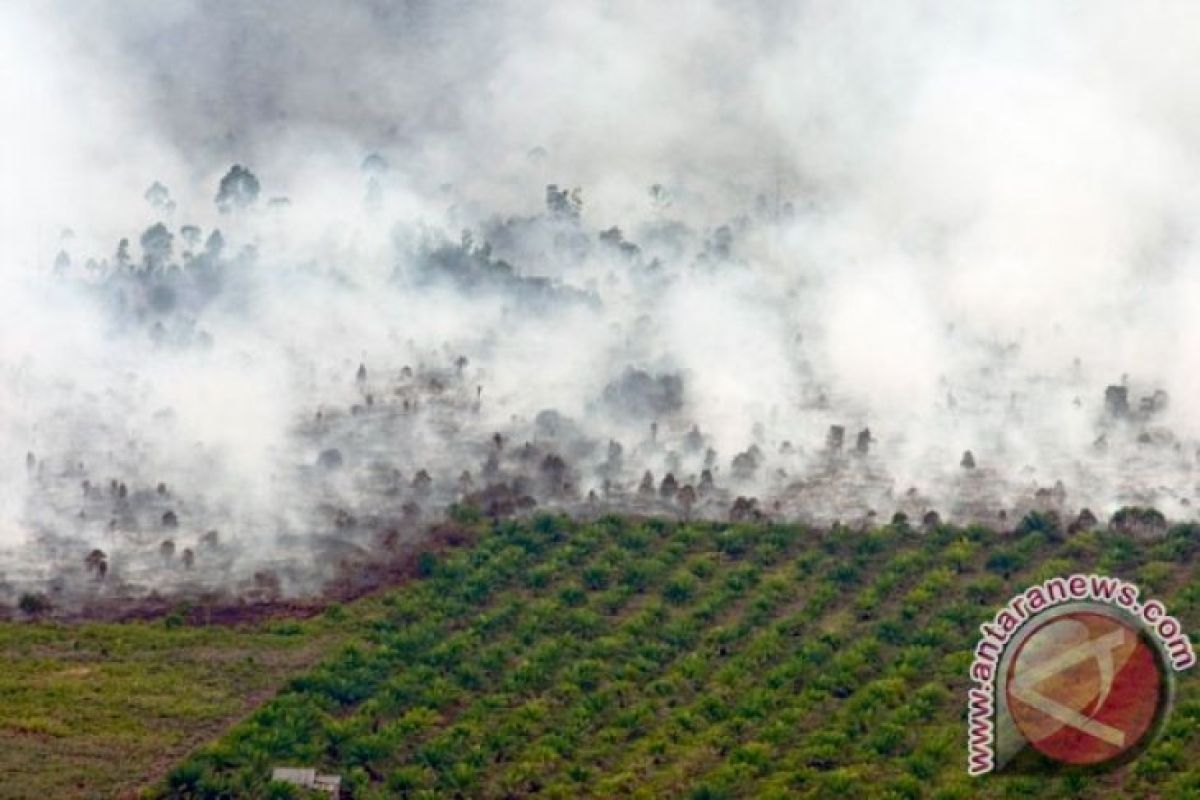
x=805, y=262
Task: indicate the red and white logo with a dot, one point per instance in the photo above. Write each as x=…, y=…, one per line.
x=1085, y=688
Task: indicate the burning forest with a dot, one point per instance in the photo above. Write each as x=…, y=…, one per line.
x=257, y=354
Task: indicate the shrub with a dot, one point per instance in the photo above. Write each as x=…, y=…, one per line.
x=679, y=588
x=1004, y=562
x=1138, y=521
x=595, y=578
x=426, y=564
x=34, y=603
x=1047, y=523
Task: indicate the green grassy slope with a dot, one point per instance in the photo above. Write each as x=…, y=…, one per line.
x=98, y=710
x=651, y=659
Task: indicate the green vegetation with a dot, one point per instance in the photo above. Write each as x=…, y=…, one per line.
x=97, y=710
x=572, y=659
x=654, y=659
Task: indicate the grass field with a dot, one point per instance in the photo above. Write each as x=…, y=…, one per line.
x=99, y=710
x=615, y=658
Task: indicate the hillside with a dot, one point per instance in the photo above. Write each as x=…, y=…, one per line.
x=644, y=658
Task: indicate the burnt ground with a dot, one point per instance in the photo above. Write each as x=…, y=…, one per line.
x=392, y=566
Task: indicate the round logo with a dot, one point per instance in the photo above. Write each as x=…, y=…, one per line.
x=1085, y=688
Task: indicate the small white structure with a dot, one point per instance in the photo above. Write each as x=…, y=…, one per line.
x=308, y=779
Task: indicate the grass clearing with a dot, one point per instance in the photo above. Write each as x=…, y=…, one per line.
x=98, y=710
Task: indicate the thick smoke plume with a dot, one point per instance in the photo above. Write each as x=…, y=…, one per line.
x=279, y=288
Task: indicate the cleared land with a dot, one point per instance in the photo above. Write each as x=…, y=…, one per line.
x=98, y=710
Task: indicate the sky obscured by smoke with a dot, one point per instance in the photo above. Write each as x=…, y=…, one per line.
x=955, y=223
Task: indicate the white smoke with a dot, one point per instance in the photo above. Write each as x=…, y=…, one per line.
x=954, y=225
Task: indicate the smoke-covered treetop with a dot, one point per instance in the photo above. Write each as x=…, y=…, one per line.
x=279, y=290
